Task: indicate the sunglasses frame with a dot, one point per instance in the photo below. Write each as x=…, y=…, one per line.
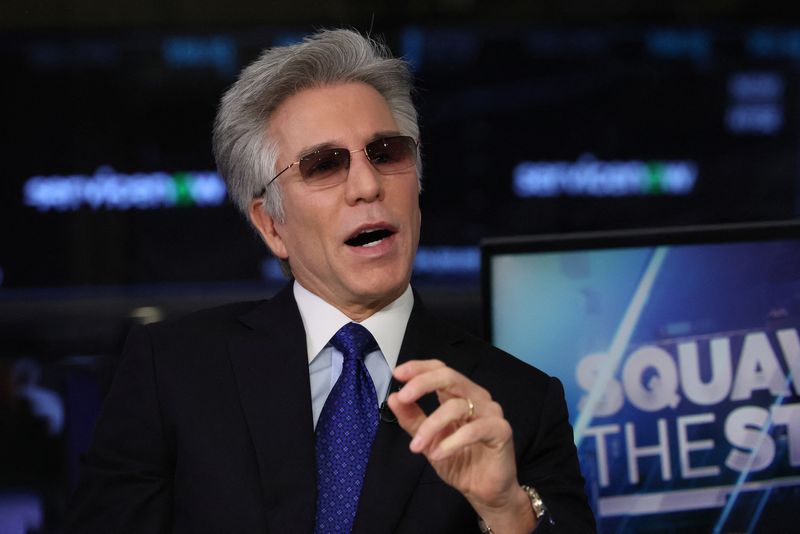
x=349, y=152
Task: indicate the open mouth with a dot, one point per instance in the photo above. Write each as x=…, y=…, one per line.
x=369, y=238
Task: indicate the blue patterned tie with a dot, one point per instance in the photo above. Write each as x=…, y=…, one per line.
x=345, y=430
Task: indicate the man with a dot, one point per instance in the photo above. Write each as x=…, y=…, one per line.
x=264, y=417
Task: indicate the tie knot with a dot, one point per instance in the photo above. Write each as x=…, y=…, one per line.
x=354, y=341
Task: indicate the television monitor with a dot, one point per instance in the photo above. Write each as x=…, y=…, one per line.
x=679, y=354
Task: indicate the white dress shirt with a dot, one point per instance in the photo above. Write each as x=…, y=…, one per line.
x=322, y=320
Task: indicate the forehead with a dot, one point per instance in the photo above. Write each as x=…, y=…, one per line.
x=347, y=115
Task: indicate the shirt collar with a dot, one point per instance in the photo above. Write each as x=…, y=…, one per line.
x=322, y=320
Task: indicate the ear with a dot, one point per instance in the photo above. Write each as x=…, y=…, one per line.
x=267, y=227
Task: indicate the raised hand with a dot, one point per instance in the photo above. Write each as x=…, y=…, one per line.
x=466, y=439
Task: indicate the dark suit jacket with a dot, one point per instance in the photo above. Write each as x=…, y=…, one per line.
x=208, y=428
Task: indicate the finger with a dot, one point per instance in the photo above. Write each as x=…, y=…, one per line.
x=409, y=415
x=408, y=370
x=441, y=380
x=451, y=411
x=493, y=431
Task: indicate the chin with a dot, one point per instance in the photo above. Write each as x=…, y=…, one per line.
x=381, y=287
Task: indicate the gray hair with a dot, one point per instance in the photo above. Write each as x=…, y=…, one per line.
x=246, y=156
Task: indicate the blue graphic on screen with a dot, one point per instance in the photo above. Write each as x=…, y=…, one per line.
x=678, y=365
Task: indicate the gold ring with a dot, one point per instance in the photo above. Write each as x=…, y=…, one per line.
x=471, y=410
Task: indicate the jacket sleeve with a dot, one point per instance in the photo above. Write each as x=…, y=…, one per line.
x=125, y=481
x=550, y=465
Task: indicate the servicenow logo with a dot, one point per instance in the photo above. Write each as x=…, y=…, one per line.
x=589, y=176
x=111, y=190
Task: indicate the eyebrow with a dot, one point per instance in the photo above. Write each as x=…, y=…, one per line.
x=307, y=151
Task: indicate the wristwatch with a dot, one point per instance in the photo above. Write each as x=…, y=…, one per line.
x=539, y=509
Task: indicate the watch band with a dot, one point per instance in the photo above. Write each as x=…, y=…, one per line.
x=539, y=509
x=485, y=529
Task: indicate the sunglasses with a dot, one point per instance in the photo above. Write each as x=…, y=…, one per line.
x=330, y=166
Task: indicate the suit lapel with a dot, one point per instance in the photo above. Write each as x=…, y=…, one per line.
x=271, y=369
x=393, y=471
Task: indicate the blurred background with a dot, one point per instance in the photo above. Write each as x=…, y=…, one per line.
x=536, y=117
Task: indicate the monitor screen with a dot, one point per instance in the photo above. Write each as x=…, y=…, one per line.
x=678, y=351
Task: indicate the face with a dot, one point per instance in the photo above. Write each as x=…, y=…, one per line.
x=353, y=243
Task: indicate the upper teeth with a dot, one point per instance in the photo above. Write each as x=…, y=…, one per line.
x=371, y=243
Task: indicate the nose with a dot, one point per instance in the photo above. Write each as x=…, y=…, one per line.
x=364, y=183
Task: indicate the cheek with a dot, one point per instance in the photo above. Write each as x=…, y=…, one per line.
x=303, y=225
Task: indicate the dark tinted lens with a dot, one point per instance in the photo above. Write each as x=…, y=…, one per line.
x=392, y=154
x=324, y=164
